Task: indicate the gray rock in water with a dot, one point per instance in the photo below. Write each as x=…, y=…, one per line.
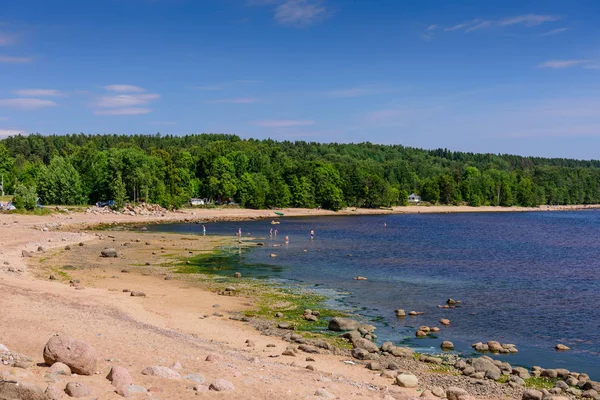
x=340, y=324
x=407, y=380
x=78, y=355
x=221, y=385
x=78, y=389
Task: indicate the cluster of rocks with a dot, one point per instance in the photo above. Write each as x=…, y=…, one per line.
x=67, y=357
x=424, y=330
x=311, y=315
x=130, y=209
x=495, y=347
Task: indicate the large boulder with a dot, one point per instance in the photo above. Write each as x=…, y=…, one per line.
x=78, y=355
x=12, y=390
x=109, y=253
x=78, y=389
x=340, y=324
x=119, y=376
x=407, y=380
x=363, y=343
x=402, y=352
x=532, y=394
x=454, y=393
x=484, y=365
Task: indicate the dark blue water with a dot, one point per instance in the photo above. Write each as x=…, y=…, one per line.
x=532, y=279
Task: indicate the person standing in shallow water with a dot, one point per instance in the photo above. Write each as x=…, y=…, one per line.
x=203, y=230
x=312, y=234
x=287, y=240
x=271, y=232
x=385, y=224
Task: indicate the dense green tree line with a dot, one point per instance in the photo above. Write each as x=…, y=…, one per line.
x=77, y=169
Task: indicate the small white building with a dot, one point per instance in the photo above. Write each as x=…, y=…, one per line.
x=197, y=202
x=414, y=198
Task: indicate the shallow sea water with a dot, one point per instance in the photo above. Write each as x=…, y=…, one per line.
x=532, y=279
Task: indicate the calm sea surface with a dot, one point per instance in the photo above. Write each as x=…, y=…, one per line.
x=532, y=279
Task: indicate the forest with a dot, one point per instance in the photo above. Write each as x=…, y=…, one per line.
x=169, y=170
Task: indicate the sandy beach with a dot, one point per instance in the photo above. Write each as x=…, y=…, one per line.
x=177, y=322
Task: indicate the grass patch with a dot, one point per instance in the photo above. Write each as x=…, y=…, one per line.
x=503, y=379
x=539, y=383
x=442, y=369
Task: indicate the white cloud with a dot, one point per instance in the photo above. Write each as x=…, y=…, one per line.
x=283, y=123
x=15, y=60
x=554, y=32
x=27, y=104
x=239, y=100
x=559, y=64
x=124, y=88
x=10, y=132
x=431, y=28
x=457, y=27
x=479, y=25
x=39, y=92
x=125, y=100
x=124, y=111
x=528, y=20
x=299, y=12
x=357, y=91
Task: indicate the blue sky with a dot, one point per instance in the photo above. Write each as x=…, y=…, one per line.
x=518, y=77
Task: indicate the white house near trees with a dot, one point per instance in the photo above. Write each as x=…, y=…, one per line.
x=414, y=198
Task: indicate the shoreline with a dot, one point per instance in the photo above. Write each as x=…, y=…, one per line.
x=225, y=334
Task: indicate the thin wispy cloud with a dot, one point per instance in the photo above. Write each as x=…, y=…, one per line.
x=457, y=27
x=283, y=123
x=239, y=100
x=358, y=91
x=27, y=104
x=479, y=25
x=124, y=111
x=15, y=60
x=560, y=64
x=39, y=92
x=297, y=12
x=124, y=88
x=554, y=32
x=124, y=104
x=431, y=28
x=528, y=20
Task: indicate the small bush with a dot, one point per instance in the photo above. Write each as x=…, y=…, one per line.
x=24, y=197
